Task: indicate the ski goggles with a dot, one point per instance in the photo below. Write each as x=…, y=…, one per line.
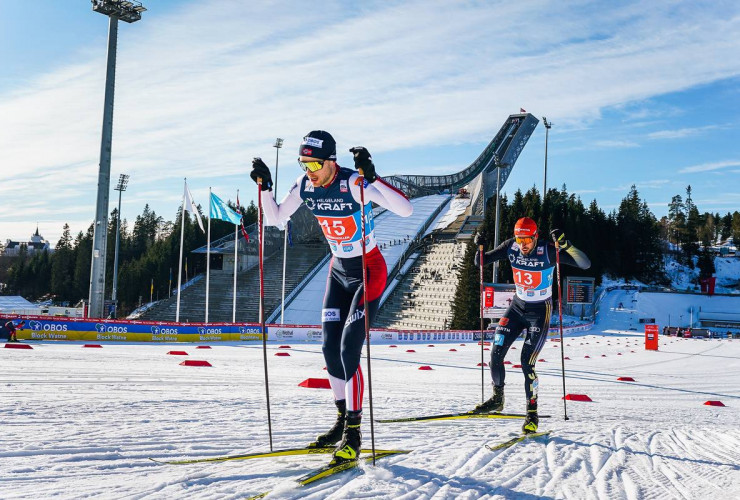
x=311, y=166
x=524, y=240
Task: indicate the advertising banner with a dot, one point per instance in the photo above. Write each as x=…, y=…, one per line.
x=651, y=337
x=49, y=328
x=496, y=299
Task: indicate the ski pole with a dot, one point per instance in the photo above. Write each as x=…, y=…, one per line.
x=482, y=334
x=367, y=311
x=560, y=313
x=261, y=233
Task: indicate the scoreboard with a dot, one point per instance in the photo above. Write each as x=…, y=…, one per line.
x=579, y=290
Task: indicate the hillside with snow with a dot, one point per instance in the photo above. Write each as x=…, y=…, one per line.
x=685, y=279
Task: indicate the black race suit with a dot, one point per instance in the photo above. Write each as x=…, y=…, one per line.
x=531, y=308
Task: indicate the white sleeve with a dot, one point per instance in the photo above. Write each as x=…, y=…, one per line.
x=383, y=194
x=276, y=215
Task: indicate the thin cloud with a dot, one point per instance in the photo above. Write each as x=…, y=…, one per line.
x=615, y=144
x=680, y=133
x=708, y=167
x=624, y=188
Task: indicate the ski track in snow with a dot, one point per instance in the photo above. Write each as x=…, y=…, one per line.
x=82, y=423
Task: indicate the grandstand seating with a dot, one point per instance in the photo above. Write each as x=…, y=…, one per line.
x=301, y=259
x=423, y=298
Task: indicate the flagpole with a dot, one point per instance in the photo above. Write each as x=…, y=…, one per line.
x=179, y=267
x=208, y=251
x=236, y=245
x=285, y=256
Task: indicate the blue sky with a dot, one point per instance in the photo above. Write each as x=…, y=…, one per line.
x=636, y=97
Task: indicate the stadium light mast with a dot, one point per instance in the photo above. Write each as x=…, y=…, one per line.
x=278, y=144
x=127, y=11
x=548, y=125
x=120, y=187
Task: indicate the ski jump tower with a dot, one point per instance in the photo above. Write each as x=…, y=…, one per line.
x=498, y=158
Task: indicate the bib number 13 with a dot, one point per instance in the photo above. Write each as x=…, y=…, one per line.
x=527, y=279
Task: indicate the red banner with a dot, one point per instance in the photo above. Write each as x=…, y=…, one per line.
x=488, y=296
x=707, y=285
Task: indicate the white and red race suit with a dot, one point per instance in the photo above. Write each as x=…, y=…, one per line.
x=338, y=210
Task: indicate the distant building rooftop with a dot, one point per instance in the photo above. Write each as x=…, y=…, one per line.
x=36, y=243
x=15, y=303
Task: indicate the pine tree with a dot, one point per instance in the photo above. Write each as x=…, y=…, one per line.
x=736, y=229
x=705, y=263
x=638, y=244
x=62, y=269
x=83, y=260
x=676, y=219
x=726, y=226
x=466, y=305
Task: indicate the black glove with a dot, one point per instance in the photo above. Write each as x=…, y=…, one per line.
x=364, y=161
x=559, y=237
x=480, y=240
x=260, y=170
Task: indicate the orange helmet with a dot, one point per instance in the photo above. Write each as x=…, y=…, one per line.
x=525, y=228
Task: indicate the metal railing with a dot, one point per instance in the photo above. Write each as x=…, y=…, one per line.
x=298, y=288
x=407, y=253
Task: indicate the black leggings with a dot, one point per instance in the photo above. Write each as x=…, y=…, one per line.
x=343, y=322
x=535, y=318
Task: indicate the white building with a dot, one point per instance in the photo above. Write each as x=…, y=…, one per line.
x=36, y=244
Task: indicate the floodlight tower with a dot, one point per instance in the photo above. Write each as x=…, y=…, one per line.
x=548, y=126
x=120, y=187
x=278, y=144
x=127, y=11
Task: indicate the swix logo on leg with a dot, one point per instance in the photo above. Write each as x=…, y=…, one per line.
x=358, y=314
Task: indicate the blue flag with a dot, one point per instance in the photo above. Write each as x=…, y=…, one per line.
x=220, y=210
x=290, y=236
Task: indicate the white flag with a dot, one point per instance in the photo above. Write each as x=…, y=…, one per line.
x=189, y=205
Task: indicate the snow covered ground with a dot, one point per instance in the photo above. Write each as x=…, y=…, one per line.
x=727, y=271
x=82, y=422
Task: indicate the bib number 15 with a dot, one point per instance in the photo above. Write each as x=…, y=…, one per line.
x=335, y=229
x=338, y=228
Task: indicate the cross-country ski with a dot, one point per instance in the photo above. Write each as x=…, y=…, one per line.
x=290, y=452
x=518, y=439
x=456, y=416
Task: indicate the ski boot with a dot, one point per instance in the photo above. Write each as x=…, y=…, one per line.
x=333, y=435
x=494, y=404
x=349, y=448
x=531, y=420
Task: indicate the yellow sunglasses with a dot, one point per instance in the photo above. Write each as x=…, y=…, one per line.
x=524, y=240
x=312, y=166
